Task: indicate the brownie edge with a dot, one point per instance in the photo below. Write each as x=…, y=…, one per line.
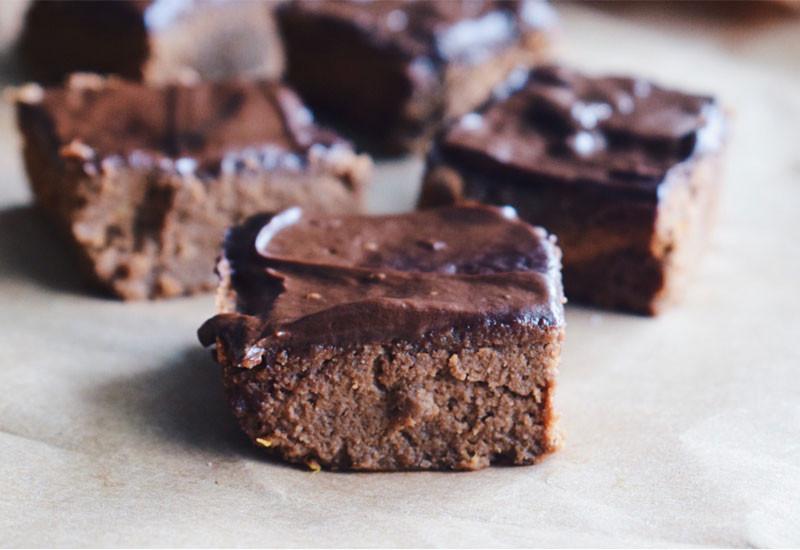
x=428, y=340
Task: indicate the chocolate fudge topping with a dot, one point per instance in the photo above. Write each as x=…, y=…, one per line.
x=557, y=125
x=339, y=280
x=203, y=122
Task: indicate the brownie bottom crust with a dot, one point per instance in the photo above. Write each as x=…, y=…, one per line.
x=456, y=401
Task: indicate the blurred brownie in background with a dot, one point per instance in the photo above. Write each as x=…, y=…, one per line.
x=145, y=180
x=391, y=71
x=156, y=40
x=624, y=172
x=427, y=340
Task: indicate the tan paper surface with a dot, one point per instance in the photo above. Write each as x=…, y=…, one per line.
x=681, y=430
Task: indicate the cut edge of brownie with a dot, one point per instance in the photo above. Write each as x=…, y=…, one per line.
x=315, y=408
x=686, y=216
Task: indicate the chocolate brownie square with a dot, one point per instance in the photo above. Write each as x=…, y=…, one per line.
x=156, y=40
x=427, y=340
x=145, y=180
x=623, y=171
x=393, y=70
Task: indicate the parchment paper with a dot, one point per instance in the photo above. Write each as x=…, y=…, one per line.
x=681, y=430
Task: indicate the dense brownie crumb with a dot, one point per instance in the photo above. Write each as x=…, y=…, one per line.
x=421, y=341
x=464, y=403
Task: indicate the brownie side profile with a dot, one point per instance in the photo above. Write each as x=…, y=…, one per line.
x=624, y=172
x=391, y=71
x=428, y=340
x=158, y=40
x=144, y=180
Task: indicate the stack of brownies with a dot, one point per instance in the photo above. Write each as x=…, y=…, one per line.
x=426, y=340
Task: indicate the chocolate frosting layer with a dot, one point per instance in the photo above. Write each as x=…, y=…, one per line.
x=205, y=124
x=556, y=125
x=299, y=280
x=460, y=30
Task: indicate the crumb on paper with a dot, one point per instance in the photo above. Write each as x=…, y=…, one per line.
x=252, y=357
x=264, y=442
x=313, y=465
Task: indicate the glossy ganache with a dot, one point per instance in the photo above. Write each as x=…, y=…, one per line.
x=558, y=126
x=201, y=128
x=349, y=280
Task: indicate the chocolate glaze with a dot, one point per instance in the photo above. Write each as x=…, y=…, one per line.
x=299, y=280
x=205, y=127
x=556, y=125
x=460, y=30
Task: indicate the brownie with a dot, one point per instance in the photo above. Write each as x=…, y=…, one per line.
x=144, y=180
x=427, y=340
x=623, y=171
x=157, y=40
x=391, y=70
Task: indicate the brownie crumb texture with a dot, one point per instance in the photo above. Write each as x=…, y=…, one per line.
x=461, y=405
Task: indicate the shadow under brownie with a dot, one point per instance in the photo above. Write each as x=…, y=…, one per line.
x=427, y=340
x=624, y=172
x=145, y=180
